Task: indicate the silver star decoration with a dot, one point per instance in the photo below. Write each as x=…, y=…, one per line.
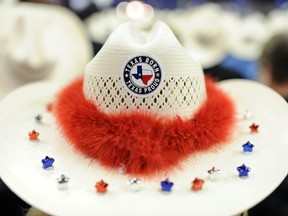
x=214, y=173
x=122, y=169
x=63, y=182
x=38, y=118
x=247, y=114
x=134, y=184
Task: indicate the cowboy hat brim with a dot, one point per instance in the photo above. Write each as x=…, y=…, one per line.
x=21, y=169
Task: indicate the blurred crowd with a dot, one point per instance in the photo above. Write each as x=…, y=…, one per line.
x=54, y=40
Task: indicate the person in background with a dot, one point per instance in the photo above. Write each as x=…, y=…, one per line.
x=274, y=73
x=274, y=64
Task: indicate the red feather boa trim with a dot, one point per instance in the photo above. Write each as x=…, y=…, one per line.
x=145, y=144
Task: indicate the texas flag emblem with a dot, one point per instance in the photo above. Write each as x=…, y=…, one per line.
x=143, y=74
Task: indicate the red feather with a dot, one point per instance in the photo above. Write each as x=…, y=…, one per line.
x=144, y=143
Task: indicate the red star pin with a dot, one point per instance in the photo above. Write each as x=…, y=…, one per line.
x=33, y=135
x=197, y=184
x=49, y=107
x=254, y=128
x=101, y=186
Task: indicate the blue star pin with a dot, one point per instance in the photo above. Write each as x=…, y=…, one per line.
x=248, y=147
x=243, y=170
x=166, y=185
x=47, y=162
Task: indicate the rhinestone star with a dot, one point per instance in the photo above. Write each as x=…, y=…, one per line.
x=254, y=128
x=134, y=184
x=166, y=185
x=214, y=173
x=63, y=182
x=197, y=184
x=248, y=147
x=243, y=170
x=101, y=186
x=47, y=162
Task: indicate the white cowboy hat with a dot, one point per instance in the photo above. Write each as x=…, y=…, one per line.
x=276, y=21
x=145, y=111
x=248, y=37
x=41, y=42
x=101, y=24
x=201, y=33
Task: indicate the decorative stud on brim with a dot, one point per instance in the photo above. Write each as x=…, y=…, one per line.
x=254, y=128
x=49, y=107
x=134, y=184
x=214, y=173
x=63, y=182
x=247, y=114
x=122, y=169
x=47, y=162
x=101, y=186
x=166, y=185
x=38, y=118
x=33, y=135
x=248, y=147
x=197, y=184
x=243, y=170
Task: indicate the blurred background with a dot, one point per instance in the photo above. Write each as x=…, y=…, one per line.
x=226, y=37
x=55, y=39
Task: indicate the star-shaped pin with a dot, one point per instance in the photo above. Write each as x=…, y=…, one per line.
x=63, y=182
x=33, y=135
x=214, y=173
x=248, y=147
x=49, y=107
x=166, y=185
x=254, y=128
x=134, y=184
x=101, y=186
x=47, y=162
x=62, y=179
x=122, y=169
x=243, y=170
x=247, y=114
x=38, y=118
x=197, y=184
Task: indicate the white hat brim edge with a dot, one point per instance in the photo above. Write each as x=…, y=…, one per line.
x=21, y=170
